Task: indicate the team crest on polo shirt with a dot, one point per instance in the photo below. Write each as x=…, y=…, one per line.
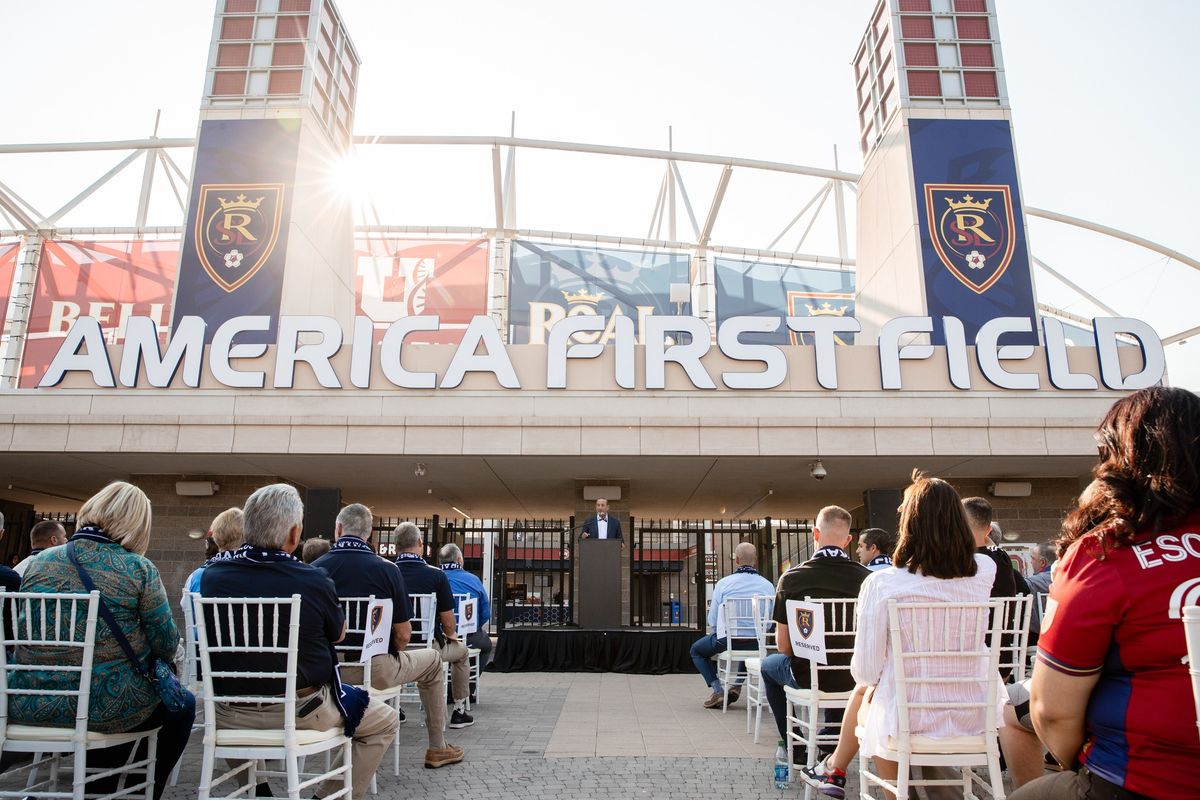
x=804, y=622
x=972, y=227
x=237, y=227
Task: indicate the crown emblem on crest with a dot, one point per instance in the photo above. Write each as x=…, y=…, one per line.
x=582, y=296
x=241, y=201
x=826, y=309
x=969, y=202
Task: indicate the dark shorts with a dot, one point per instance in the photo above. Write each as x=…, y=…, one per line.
x=1082, y=785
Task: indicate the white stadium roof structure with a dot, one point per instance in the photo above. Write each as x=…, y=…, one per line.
x=586, y=194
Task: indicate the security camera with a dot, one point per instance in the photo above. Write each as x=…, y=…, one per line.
x=419, y=470
x=817, y=470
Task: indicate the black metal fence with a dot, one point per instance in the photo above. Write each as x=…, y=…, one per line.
x=673, y=563
x=528, y=565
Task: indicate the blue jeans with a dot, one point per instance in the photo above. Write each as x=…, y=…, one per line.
x=776, y=674
x=703, y=651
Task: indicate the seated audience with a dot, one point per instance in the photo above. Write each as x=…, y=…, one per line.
x=875, y=546
x=42, y=537
x=935, y=559
x=464, y=582
x=264, y=567
x=314, y=549
x=1111, y=695
x=829, y=573
x=1039, y=581
x=109, y=545
x=226, y=535
x=421, y=578
x=745, y=582
x=10, y=579
x=357, y=571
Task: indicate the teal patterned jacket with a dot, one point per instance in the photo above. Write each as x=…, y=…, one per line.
x=121, y=699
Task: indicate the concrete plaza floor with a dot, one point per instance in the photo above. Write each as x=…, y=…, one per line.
x=539, y=736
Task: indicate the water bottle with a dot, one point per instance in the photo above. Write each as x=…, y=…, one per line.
x=781, y=773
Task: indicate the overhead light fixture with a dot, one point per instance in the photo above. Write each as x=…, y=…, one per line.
x=196, y=533
x=196, y=488
x=461, y=512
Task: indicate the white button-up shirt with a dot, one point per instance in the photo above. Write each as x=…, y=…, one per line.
x=602, y=526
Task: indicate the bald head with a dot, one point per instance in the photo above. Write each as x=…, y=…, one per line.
x=745, y=555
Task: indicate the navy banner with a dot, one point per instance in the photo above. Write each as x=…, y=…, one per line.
x=235, y=239
x=763, y=289
x=973, y=244
x=549, y=282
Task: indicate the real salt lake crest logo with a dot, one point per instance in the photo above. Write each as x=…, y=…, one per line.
x=804, y=621
x=376, y=618
x=237, y=228
x=469, y=611
x=972, y=228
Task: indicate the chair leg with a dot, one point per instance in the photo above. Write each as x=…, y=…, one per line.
x=80, y=776
x=151, y=758
x=293, y=776
x=207, y=763
x=903, y=775
x=347, y=776
x=396, y=744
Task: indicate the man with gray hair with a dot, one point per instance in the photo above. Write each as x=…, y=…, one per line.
x=422, y=579
x=264, y=567
x=464, y=582
x=1043, y=558
x=357, y=571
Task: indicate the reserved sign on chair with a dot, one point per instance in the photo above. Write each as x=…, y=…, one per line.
x=378, y=629
x=806, y=627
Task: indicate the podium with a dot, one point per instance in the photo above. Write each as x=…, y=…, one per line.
x=599, y=599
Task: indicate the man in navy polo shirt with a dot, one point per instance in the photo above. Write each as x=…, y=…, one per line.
x=358, y=572
x=422, y=578
x=264, y=567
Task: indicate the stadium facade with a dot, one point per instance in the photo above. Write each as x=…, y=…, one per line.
x=499, y=373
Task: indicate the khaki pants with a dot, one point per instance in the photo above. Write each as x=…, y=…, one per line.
x=422, y=666
x=371, y=739
x=455, y=654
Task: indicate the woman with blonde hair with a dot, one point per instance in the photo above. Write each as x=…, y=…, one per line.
x=108, y=551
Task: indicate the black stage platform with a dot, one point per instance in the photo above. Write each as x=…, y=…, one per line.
x=643, y=651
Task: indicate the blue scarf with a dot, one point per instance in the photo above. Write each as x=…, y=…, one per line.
x=92, y=533
x=224, y=555
x=409, y=557
x=250, y=554
x=829, y=551
x=449, y=565
x=350, y=543
x=746, y=570
x=880, y=560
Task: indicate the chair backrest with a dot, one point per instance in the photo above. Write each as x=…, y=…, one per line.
x=191, y=650
x=58, y=632
x=841, y=623
x=459, y=597
x=350, y=648
x=248, y=654
x=1041, y=603
x=1191, y=630
x=738, y=613
x=1014, y=635
x=764, y=625
x=946, y=662
x=424, y=613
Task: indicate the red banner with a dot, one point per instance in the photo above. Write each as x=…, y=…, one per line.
x=397, y=278
x=110, y=281
x=8, y=265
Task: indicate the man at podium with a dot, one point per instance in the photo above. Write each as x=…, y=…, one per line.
x=601, y=525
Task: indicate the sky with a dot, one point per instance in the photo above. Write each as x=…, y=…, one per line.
x=1105, y=110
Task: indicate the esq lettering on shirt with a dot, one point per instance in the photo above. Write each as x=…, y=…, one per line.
x=1167, y=547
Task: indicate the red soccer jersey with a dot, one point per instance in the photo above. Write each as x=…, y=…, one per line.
x=1120, y=617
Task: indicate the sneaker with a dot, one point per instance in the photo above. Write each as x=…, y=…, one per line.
x=715, y=700
x=440, y=758
x=826, y=781
x=461, y=719
x=400, y=714
x=734, y=694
